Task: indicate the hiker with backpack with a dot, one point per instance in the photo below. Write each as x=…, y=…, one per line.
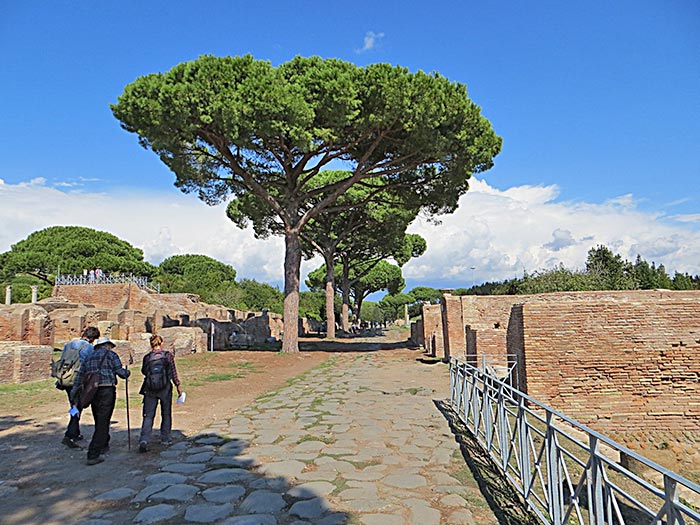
x=104, y=365
x=65, y=369
x=160, y=375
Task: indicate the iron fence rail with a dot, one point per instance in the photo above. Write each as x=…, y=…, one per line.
x=566, y=472
x=141, y=282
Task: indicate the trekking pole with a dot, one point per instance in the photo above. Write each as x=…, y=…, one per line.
x=128, y=422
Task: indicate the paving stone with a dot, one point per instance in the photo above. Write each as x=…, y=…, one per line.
x=224, y=494
x=202, y=448
x=156, y=513
x=424, y=515
x=184, y=468
x=252, y=519
x=96, y=521
x=208, y=513
x=405, y=481
x=311, y=490
x=178, y=493
x=310, y=508
x=263, y=502
x=224, y=475
x=309, y=446
x=275, y=484
x=148, y=491
x=209, y=440
x=335, y=518
x=290, y=469
x=168, y=478
x=453, y=500
x=462, y=517
x=382, y=519
x=201, y=457
x=116, y=494
x=318, y=475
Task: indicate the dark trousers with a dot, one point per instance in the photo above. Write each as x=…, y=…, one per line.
x=150, y=404
x=102, y=407
x=73, y=430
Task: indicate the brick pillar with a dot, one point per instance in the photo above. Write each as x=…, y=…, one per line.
x=452, y=325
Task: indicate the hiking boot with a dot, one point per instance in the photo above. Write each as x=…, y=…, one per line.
x=70, y=443
x=105, y=450
x=166, y=442
x=143, y=447
x=79, y=438
x=95, y=461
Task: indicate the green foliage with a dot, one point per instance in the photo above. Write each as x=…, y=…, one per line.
x=371, y=311
x=312, y=305
x=393, y=305
x=70, y=249
x=257, y=296
x=263, y=134
x=605, y=270
x=212, y=280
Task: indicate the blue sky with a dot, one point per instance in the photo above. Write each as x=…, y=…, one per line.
x=598, y=104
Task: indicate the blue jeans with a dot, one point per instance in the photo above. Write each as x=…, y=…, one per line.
x=102, y=408
x=150, y=403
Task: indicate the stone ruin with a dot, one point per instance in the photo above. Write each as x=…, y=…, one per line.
x=127, y=314
x=625, y=363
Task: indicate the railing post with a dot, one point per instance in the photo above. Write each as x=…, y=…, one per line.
x=554, y=481
x=594, y=478
x=671, y=497
x=524, y=450
x=503, y=437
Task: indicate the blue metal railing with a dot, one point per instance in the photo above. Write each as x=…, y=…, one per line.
x=566, y=472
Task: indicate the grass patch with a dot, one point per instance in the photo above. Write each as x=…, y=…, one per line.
x=413, y=391
x=364, y=464
x=323, y=439
x=19, y=396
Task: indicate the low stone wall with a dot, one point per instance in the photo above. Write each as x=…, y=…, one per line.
x=22, y=362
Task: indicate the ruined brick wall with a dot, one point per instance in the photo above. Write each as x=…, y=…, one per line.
x=624, y=363
x=22, y=362
x=432, y=329
x=417, y=337
x=29, y=323
x=453, y=326
x=104, y=296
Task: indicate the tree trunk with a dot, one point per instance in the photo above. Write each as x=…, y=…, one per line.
x=292, y=266
x=345, y=322
x=330, y=301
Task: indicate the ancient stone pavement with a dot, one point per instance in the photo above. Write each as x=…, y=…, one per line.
x=358, y=440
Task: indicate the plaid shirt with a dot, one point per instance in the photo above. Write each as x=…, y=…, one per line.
x=111, y=367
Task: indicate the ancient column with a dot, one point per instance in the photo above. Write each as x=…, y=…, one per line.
x=35, y=293
x=8, y=294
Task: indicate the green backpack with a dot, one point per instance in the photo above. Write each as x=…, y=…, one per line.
x=66, y=367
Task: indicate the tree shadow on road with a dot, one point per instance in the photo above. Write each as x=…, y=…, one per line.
x=43, y=481
x=504, y=501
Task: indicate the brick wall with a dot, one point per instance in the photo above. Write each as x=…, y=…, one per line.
x=99, y=295
x=432, y=329
x=453, y=326
x=623, y=363
x=24, y=362
x=25, y=322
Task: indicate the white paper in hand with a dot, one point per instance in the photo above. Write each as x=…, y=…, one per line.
x=74, y=411
x=181, y=399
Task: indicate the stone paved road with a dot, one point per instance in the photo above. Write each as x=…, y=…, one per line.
x=358, y=440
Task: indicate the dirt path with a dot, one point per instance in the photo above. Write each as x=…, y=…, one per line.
x=43, y=481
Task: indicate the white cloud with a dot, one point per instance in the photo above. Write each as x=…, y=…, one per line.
x=371, y=39
x=501, y=233
x=160, y=224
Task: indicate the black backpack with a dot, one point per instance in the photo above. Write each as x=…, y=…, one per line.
x=156, y=372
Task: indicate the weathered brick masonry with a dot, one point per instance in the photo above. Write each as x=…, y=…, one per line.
x=619, y=361
x=432, y=329
x=614, y=365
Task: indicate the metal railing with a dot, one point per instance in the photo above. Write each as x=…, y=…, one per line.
x=566, y=472
x=141, y=282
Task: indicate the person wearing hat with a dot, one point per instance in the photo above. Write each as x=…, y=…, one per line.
x=105, y=361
